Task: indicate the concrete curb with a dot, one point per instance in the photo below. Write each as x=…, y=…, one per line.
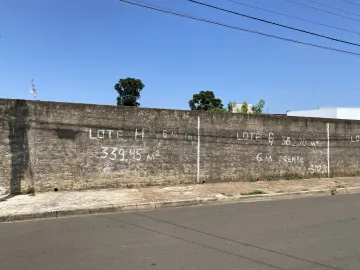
x=180, y=203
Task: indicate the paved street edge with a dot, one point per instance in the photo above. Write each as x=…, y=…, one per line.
x=179, y=203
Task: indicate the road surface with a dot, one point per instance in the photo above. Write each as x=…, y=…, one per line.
x=308, y=233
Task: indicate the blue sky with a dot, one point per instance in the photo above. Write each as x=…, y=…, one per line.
x=76, y=50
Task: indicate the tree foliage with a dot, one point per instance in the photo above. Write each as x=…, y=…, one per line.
x=129, y=91
x=231, y=105
x=258, y=108
x=206, y=101
x=244, y=107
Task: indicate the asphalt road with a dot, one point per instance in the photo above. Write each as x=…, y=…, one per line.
x=308, y=233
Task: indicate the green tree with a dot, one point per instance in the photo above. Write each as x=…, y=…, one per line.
x=206, y=101
x=258, y=108
x=244, y=107
x=217, y=110
x=231, y=106
x=129, y=91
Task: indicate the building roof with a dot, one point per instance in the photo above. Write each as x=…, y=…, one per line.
x=335, y=113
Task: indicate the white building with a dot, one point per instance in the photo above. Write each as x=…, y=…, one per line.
x=337, y=113
x=237, y=108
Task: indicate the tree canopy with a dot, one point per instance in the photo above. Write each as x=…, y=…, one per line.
x=258, y=108
x=231, y=105
x=206, y=101
x=244, y=107
x=129, y=91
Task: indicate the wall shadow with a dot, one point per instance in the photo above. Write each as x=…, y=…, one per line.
x=18, y=142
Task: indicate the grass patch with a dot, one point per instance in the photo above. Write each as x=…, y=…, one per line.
x=30, y=191
x=340, y=186
x=148, y=184
x=227, y=195
x=129, y=185
x=254, y=192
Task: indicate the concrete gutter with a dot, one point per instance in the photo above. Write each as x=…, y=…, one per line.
x=174, y=203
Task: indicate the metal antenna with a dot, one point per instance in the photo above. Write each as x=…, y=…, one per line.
x=33, y=89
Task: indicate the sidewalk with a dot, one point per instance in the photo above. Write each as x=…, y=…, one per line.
x=57, y=204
